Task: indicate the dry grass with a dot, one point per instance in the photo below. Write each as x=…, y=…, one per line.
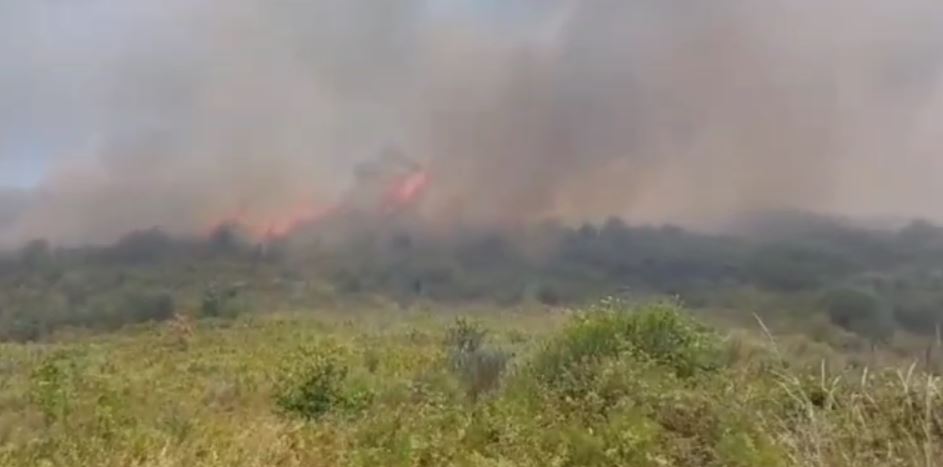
x=638, y=392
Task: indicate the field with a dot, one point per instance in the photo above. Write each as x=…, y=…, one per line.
x=609, y=384
x=536, y=233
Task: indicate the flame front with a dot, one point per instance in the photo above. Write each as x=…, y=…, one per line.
x=406, y=191
x=274, y=226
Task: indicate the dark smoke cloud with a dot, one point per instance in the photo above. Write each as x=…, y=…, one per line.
x=173, y=113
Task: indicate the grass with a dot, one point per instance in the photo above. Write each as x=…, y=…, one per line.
x=612, y=384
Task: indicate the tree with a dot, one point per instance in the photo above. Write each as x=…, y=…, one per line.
x=791, y=267
x=918, y=310
x=141, y=247
x=860, y=311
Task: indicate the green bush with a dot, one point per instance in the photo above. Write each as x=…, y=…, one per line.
x=860, y=311
x=149, y=306
x=636, y=385
x=223, y=301
x=919, y=311
x=52, y=386
x=110, y=311
x=24, y=326
x=658, y=332
x=315, y=383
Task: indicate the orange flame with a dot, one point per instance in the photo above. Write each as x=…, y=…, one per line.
x=405, y=192
x=267, y=228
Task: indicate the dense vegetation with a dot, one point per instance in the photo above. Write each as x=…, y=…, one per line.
x=389, y=346
x=612, y=384
x=793, y=268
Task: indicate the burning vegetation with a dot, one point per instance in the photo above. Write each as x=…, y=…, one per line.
x=199, y=178
x=540, y=149
x=649, y=111
x=386, y=186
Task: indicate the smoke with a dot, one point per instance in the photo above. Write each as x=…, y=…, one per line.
x=175, y=113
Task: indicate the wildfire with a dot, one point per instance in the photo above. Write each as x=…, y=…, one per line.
x=285, y=223
x=404, y=192
x=271, y=227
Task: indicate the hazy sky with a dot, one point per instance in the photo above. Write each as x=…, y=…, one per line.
x=174, y=112
x=54, y=55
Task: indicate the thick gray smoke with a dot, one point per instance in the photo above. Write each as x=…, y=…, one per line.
x=175, y=113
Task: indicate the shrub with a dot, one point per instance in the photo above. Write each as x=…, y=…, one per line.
x=464, y=336
x=315, y=383
x=918, y=311
x=792, y=267
x=223, y=302
x=859, y=311
x=149, y=306
x=24, y=327
x=638, y=385
x=478, y=367
x=659, y=332
x=141, y=247
x=114, y=310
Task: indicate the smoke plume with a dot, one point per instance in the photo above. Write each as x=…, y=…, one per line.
x=178, y=112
